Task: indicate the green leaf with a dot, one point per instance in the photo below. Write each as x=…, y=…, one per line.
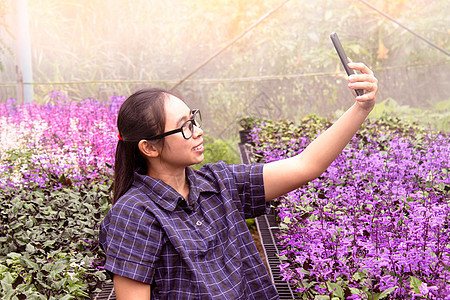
x=283, y=226
x=104, y=187
x=47, y=267
x=355, y=291
x=28, y=263
x=48, y=243
x=76, y=288
x=358, y=276
x=287, y=220
x=59, y=284
x=3, y=268
x=387, y=292
x=9, y=295
x=282, y=257
x=89, y=231
x=30, y=248
x=7, y=282
x=14, y=255
x=336, y=289
x=414, y=283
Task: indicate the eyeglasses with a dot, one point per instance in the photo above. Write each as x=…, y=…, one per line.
x=187, y=129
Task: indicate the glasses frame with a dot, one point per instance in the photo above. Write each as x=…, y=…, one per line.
x=194, y=113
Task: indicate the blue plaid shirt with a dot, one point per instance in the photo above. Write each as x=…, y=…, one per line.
x=201, y=249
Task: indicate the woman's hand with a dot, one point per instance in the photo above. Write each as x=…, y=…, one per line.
x=365, y=81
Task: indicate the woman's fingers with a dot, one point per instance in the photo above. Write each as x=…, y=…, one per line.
x=360, y=67
x=361, y=77
x=363, y=81
x=368, y=86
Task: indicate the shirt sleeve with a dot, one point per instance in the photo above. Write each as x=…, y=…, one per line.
x=132, y=240
x=250, y=187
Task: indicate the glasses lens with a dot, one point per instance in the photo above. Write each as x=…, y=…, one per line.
x=188, y=126
x=188, y=129
x=197, y=118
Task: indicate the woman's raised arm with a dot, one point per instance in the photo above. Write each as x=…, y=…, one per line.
x=283, y=176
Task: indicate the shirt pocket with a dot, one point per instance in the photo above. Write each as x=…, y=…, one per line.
x=196, y=239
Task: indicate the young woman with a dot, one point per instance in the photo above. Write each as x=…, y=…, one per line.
x=176, y=233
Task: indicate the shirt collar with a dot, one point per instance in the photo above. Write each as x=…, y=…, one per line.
x=199, y=182
x=167, y=197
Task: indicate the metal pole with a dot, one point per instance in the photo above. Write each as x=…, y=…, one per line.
x=24, y=70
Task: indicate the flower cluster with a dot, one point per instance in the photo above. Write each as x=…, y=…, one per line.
x=376, y=223
x=59, y=143
x=55, y=176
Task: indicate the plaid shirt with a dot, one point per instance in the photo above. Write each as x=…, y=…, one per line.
x=201, y=249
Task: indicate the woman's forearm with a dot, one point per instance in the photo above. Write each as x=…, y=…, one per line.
x=326, y=147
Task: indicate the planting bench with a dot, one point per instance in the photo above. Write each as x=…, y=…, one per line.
x=267, y=229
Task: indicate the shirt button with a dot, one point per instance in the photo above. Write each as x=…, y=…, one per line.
x=199, y=223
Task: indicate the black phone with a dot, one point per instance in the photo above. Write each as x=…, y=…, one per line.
x=340, y=51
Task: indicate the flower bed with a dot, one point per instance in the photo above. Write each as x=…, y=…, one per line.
x=375, y=225
x=61, y=138
x=55, y=179
x=55, y=176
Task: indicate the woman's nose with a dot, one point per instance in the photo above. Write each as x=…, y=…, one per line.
x=197, y=131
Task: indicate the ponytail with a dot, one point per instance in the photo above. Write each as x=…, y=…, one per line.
x=123, y=169
x=141, y=115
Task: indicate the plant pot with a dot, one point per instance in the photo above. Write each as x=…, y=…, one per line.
x=245, y=136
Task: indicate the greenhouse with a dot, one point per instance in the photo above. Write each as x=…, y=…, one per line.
x=261, y=170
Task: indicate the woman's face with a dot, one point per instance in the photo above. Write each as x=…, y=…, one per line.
x=179, y=152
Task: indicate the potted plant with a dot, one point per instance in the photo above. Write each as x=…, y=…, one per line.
x=247, y=123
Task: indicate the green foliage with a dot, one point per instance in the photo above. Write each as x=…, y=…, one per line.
x=437, y=118
x=280, y=132
x=20, y=156
x=218, y=149
x=249, y=122
x=49, y=245
x=251, y=224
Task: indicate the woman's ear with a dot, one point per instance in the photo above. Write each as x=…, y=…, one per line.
x=148, y=149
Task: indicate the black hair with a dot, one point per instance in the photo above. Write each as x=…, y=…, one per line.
x=141, y=115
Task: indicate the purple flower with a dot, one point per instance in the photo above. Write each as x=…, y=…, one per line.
x=378, y=216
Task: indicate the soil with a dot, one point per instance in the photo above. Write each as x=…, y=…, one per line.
x=259, y=246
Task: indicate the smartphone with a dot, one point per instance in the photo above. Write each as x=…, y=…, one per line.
x=340, y=51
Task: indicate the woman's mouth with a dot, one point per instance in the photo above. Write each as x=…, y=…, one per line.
x=198, y=148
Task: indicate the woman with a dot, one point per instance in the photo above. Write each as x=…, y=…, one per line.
x=175, y=233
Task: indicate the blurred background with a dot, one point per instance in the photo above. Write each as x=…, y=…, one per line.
x=285, y=67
